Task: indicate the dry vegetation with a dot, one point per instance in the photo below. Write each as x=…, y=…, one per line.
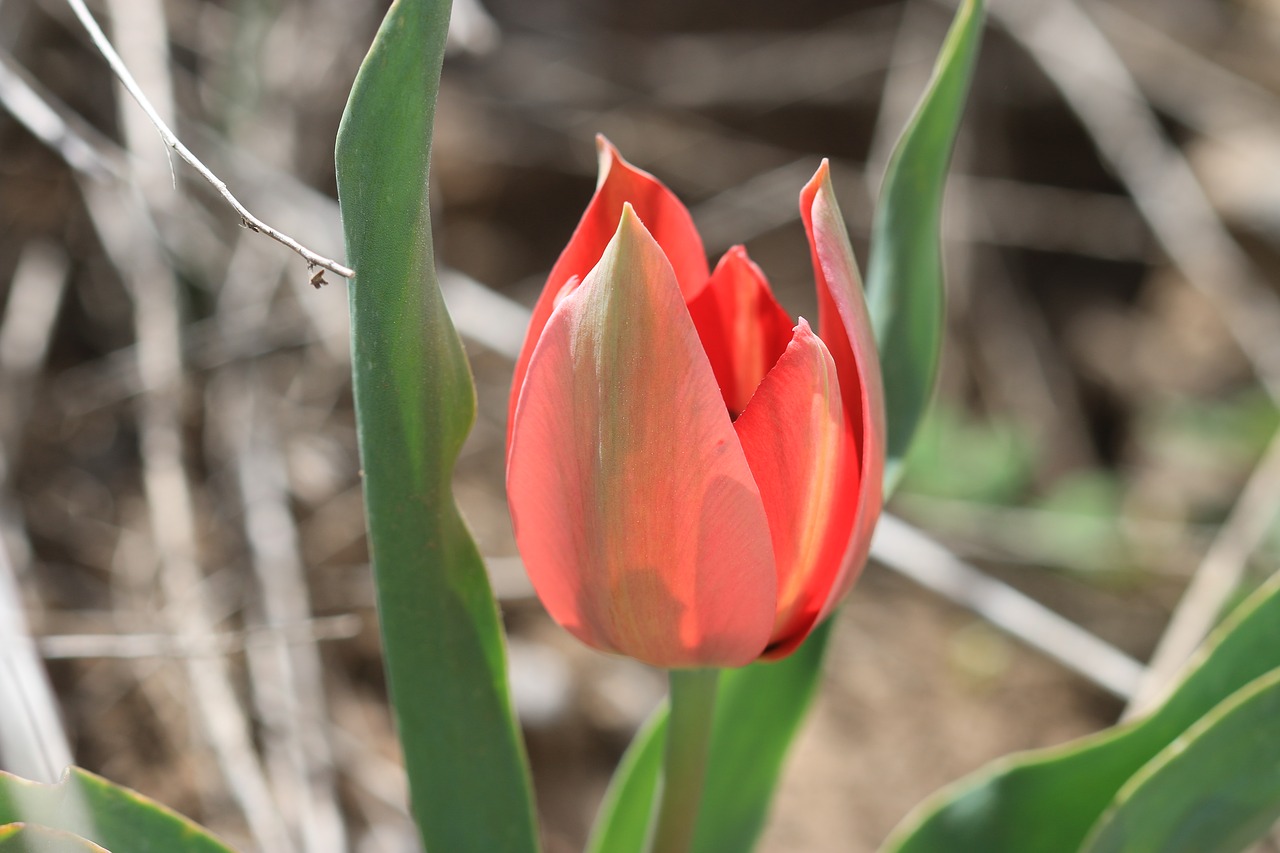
x=180, y=518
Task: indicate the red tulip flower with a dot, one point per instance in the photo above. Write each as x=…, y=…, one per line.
x=693, y=478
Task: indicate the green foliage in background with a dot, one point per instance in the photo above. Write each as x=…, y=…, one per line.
x=1232, y=431
x=958, y=458
x=415, y=404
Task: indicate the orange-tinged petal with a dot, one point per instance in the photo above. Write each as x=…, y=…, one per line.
x=664, y=215
x=845, y=327
x=637, y=516
x=742, y=327
x=794, y=436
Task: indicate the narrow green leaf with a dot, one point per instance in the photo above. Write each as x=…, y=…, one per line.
x=115, y=817
x=1216, y=789
x=415, y=403
x=760, y=707
x=759, y=711
x=1046, y=801
x=624, y=816
x=904, y=275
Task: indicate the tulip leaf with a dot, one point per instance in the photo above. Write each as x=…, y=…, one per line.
x=758, y=712
x=1046, y=801
x=82, y=804
x=1216, y=789
x=904, y=273
x=760, y=707
x=623, y=820
x=415, y=403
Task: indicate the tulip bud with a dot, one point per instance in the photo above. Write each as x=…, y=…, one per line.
x=693, y=478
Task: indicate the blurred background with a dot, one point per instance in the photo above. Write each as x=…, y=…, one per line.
x=181, y=528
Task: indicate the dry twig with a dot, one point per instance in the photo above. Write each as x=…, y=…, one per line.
x=174, y=144
x=32, y=741
x=1217, y=579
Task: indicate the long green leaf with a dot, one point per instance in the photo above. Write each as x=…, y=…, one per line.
x=415, y=403
x=112, y=816
x=623, y=819
x=1216, y=789
x=1046, y=801
x=759, y=710
x=904, y=276
x=760, y=707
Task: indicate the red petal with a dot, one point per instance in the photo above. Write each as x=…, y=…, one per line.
x=635, y=510
x=668, y=221
x=800, y=452
x=742, y=327
x=845, y=327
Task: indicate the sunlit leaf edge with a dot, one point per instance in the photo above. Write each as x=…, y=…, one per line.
x=1108, y=834
x=1264, y=600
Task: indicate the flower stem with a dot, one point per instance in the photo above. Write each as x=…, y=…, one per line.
x=693, y=703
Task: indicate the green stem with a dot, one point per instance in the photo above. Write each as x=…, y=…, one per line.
x=693, y=704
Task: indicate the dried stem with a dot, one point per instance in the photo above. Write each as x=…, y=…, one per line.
x=1216, y=580
x=171, y=140
x=910, y=552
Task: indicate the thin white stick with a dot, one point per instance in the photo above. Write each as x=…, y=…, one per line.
x=288, y=689
x=34, y=110
x=1214, y=583
x=32, y=741
x=171, y=140
x=910, y=552
x=90, y=646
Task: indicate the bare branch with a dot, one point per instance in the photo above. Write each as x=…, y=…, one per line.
x=247, y=219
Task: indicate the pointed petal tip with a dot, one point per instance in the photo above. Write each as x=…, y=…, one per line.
x=736, y=256
x=606, y=154
x=821, y=180
x=631, y=227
